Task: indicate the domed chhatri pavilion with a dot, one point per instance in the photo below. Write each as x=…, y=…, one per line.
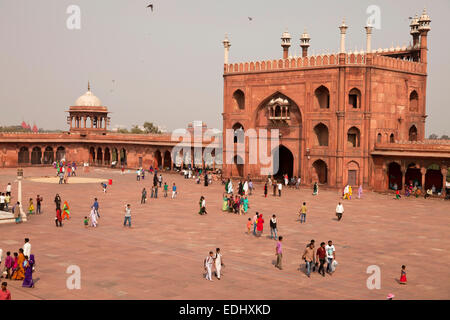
x=350, y=117
x=88, y=108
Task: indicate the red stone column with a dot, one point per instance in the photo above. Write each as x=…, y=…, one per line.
x=444, y=179
x=423, y=171
x=340, y=112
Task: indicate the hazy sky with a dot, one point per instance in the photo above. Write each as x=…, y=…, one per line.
x=167, y=66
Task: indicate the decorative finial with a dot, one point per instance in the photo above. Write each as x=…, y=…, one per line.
x=89, y=86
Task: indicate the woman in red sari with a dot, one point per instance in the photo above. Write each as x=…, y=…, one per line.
x=260, y=225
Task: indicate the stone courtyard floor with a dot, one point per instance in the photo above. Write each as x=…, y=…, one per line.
x=161, y=256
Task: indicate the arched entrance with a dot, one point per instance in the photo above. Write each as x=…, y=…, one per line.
x=320, y=173
x=283, y=160
x=92, y=155
x=36, y=155
x=413, y=175
x=395, y=176
x=123, y=157
x=158, y=159
x=115, y=156
x=48, y=155
x=60, y=153
x=433, y=177
x=107, y=157
x=99, y=156
x=23, y=156
x=167, y=160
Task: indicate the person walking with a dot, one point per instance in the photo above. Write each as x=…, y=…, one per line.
x=65, y=211
x=303, y=210
x=166, y=187
x=254, y=221
x=279, y=253
x=39, y=200
x=280, y=186
x=8, y=189
x=57, y=201
x=58, y=218
x=331, y=255
x=27, y=247
x=174, y=191
x=403, y=275
x=339, y=211
x=321, y=255
x=218, y=262
x=93, y=218
x=143, y=196
x=160, y=180
x=260, y=225
x=310, y=257
x=95, y=206
x=127, y=215
x=208, y=262
x=265, y=190
x=273, y=227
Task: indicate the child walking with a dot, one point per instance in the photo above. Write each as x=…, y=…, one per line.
x=403, y=275
x=249, y=225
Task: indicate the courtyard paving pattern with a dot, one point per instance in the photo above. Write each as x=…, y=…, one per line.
x=161, y=256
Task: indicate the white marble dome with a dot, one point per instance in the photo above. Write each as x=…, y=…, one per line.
x=88, y=100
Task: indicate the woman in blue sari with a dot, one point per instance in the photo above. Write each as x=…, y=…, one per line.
x=28, y=266
x=245, y=204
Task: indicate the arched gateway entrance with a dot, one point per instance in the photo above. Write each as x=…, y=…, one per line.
x=283, y=160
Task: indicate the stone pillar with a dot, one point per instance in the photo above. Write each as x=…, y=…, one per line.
x=368, y=38
x=84, y=119
x=226, y=46
x=19, y=198
x=343, y=29
x=444, y=179
x=423, y=171
x=403, y=176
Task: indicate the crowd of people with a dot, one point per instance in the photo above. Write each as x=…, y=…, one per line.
x=65, y=170
x=17, y=267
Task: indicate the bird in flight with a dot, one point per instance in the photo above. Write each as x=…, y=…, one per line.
x=150, y=6
x=250, y=18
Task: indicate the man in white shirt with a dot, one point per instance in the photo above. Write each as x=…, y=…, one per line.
x=8, y=189
x=331, y=255
x=27, y=248
x=339, y=211
x=218, y=262
x=280, y=186
x=2, y=201
x=208, y=265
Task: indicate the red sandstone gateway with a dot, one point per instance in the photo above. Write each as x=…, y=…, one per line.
x=353, y=118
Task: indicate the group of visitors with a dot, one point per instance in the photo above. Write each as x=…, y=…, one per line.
x=238, y=204
x=216, y=260
x=19, y=266
x=64, y=170
x=348, y=192
x=63, y=212
x=243, y=188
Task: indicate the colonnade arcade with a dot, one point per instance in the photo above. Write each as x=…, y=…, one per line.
x=423, y=174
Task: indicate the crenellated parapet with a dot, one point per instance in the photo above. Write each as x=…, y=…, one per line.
x=325, y=60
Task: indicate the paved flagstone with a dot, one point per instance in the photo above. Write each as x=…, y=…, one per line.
x=161, y=256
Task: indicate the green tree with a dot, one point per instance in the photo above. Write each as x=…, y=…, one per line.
x=433, y=136
x=135, y=129
x=149, y=127
x=445, y=137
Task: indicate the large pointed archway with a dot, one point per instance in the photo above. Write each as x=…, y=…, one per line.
x=283, y=160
